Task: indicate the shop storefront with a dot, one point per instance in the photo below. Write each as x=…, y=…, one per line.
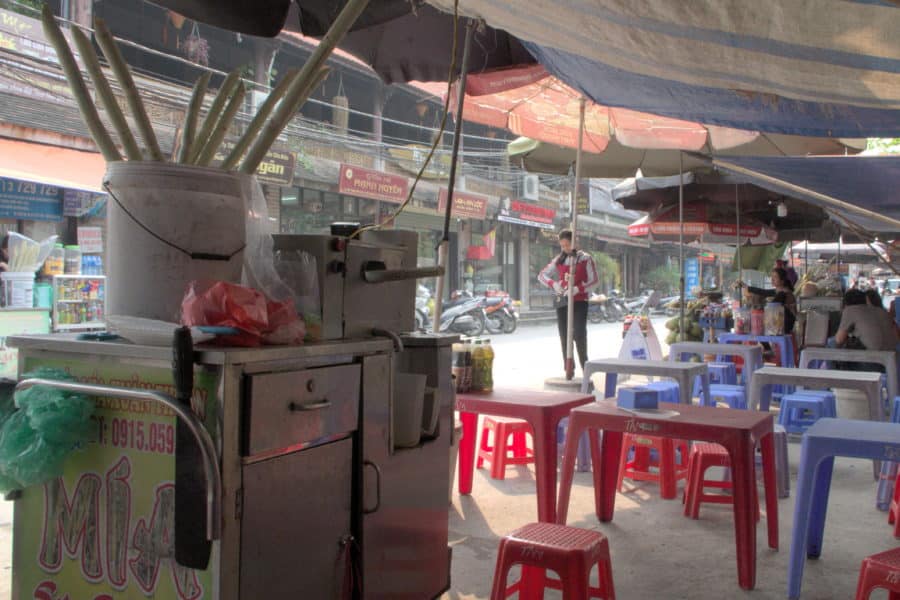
x=531, y=227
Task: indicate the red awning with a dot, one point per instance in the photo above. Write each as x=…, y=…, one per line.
x=52, y=165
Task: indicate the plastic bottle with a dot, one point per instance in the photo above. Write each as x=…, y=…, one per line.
x=73, y=260
x=459, y=366
x=478, y=358
x=467, y=359
x=488, y=376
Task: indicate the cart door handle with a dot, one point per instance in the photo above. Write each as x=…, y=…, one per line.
x=296, y=407
x=366, y=511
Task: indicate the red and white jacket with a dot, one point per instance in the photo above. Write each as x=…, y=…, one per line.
x=557, y=272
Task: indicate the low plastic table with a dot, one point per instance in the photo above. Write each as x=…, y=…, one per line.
x=682, y=372
x=824, y=440
x=751, y=355
x=885, y=358
x=738, y=430
x=784, y=342
x=542, y=410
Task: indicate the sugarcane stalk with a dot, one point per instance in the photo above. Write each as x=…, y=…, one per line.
x=89, y=57
x=312, y=71
x=123, y=74
x=296, y=95
x=79, y=90
x=190, y=117
x=218, y=133
x=213, y=114
x=259, y=120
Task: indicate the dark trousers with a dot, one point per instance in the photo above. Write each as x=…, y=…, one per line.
x=579, y=329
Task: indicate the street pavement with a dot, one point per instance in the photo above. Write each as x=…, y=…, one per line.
x=532, y=354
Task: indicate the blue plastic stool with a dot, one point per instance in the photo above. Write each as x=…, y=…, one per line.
x=884, y=493
x=723, y=373
x=733, y=395
x=583, y=457
x=667, y=390
x=826, y=395
x=794, y=408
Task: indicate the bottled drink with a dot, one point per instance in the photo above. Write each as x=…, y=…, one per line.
x=459, y=366
x=467, y=358
x=488, y=375
x=478, y=358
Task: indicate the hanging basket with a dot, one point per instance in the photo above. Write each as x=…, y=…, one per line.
x=340, y=112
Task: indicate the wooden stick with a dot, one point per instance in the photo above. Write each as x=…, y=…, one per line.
x=123, y=74
x=190, y=117
x=213, y=114
x=297, y=93
x=86, y=50
x=79, y=90
x=218, y=134
x=259, y=120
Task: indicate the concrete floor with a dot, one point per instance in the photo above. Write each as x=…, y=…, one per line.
x=659, y=554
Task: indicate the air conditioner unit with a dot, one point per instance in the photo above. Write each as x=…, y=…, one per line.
x=531, y=187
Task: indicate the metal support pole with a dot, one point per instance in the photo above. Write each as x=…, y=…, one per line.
x=573, y=260
x=681, y=242
x=737, y=212
x=444, y=248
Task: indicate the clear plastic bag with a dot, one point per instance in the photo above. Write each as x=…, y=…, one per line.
x=298, y=270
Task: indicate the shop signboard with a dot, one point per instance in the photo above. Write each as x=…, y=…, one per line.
x=24, y=35
x=29, y=200
x=524, y=213
x=691, y=276
x=375, y=185
x=465, y=206
x=412, y=157
x=103, y=529
x=78, y=203
x=90, y=240
x=276, y=168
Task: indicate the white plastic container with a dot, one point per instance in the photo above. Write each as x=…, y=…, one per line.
x=406, y=411
x=18, y=289
x=168, y=225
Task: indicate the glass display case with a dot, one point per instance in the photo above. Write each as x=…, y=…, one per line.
x=79, y=302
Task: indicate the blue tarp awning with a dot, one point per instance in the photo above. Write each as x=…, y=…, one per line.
x=859, y=191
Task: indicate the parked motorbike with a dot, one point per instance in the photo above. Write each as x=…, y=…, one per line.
x=500, y=314
x=463, y=314
x=423, y=311
x=601, y=309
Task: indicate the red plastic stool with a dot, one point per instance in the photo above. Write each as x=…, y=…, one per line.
x=703, y=456
x=667, y=471
x=502, y=453
x=880, y=571
x=894, y=510
x=569, y=551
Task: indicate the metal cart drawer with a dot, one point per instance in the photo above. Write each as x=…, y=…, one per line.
x=300, y=407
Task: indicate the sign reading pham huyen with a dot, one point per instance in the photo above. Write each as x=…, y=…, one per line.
x=524, y=213
x=366, y=183
x=465, y=206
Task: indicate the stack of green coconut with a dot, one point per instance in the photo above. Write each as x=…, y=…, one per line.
x=692, y=330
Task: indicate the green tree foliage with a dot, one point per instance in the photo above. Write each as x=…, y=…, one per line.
x=607, y=270
x=884, y=145
x=663, y=279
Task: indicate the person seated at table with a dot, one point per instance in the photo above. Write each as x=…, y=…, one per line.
x=864, y=327
x=783, y=292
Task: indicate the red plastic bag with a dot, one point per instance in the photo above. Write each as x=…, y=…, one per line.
x=228, y=305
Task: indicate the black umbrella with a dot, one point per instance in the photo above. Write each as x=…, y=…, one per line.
x=403, y=40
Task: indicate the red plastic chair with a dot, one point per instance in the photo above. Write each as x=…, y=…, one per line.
x=503, y=453
x=880, y=571
x=569, y=551
x=703, y=456
x=894, y=511
x=665, y=470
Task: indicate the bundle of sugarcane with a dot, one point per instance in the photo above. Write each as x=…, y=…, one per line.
x=196, y=146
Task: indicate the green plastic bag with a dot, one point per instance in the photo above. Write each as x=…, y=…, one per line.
x=36, y=439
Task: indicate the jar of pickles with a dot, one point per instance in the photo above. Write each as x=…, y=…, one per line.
x=774, y=318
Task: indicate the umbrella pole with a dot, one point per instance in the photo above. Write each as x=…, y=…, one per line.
x=681, y=242
x=737, y=212
x=573, y=260
x=444, y=247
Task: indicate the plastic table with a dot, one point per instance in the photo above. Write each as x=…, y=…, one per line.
x=885, y=358
x=751, y=355
x=784, y=342
x=824, y=440
x=738, y=430
x=682, y=372
x=542, y=410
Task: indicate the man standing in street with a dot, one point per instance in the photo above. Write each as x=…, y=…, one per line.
x=556, y=277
